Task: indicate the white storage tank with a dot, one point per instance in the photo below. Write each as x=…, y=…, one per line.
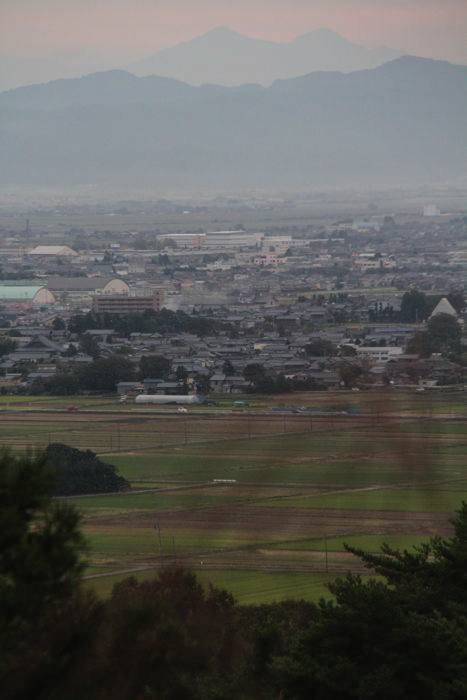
x=166, y=399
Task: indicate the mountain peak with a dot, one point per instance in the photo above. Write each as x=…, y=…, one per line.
x=222, y=30
x=218, y=34
x=322, y=33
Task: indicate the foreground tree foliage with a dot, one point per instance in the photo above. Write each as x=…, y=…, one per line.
x=168, y=638
x=401, y=635
x=40, y=570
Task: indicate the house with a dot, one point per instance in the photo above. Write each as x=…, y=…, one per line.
x=221, y=384
x=41, y=342
x=378, y=353
x=161, y=386
x=132, y=388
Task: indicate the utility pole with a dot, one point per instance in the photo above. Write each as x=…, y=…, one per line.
x=157, y=527
x=326, y=552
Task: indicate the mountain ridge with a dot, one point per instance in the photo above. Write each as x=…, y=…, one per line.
x=223, y=56
x=401, y=123
x=121, y=75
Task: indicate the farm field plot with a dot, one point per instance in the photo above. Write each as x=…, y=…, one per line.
x=119, y=432
x=246, y=586
x=262, y=501
x=338, y=458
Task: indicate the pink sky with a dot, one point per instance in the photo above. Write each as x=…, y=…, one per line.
x=134, y=28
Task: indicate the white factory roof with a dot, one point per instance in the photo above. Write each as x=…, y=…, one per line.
x=52, y=250
x=444, y=307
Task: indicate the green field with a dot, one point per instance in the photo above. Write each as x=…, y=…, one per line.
x=259, y=498
x=117, y=504
x=417, y=499
x=369, y=543
x=246, y=586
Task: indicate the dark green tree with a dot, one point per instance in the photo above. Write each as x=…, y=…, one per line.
x=227, y=368
x=445, y=333
x=169, y=638
x=415, y=307
x=104, y=373
x=154, y=367
x=40, y=554
x=181, y=374
x=457, y=300
x=63, y=384
x=350, y=373
x=321, y=348
x=89, y=345
x=81, y=472
x=71, y=351
x=254, y=372
x=203, y=385
x=404, y=636
x=420, y=344
x=58, y=324
x=7, y=345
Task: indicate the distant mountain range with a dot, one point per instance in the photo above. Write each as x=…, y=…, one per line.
x=220, y=56
x=21, y=70
x=224, y=57
x=404, y=122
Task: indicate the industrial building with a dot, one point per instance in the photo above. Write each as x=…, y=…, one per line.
x=25, y=295
x=84, y=289
x=127, y=304
x=56, y=251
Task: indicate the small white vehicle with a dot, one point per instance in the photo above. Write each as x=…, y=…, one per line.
x=182, y=410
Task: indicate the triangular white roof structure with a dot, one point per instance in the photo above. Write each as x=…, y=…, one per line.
x=58, y=250
x=444, y=307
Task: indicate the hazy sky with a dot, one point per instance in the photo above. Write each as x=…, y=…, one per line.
x=134, y=28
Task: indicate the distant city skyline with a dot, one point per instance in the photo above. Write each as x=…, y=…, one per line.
x=125, y=30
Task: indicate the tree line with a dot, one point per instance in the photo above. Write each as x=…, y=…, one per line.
x=103, y=374
x=163, y=321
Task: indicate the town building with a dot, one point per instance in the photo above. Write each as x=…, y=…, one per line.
x=25, y=295
x=57, y=251
x=84, y=289
x=127, y=304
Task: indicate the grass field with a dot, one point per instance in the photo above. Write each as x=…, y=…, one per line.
x=246, y=586
x=264, y=500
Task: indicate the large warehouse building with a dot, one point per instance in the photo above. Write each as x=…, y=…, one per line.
x=84, y=289
x=25, y=295
x=56, y=251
